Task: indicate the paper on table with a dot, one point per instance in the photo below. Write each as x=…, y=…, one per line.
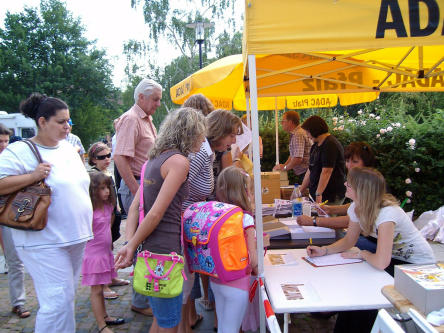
x=299, y=292
x=330, y=260
x=278, y=259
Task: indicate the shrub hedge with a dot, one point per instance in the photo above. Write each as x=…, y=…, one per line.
x=407, y=133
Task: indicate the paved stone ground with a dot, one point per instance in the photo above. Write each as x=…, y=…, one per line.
x=302, y=323
x=121, y=307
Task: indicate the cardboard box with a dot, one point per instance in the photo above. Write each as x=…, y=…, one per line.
x=270, y=182
x=284, y=175
x=423, y=285
x=286, y=192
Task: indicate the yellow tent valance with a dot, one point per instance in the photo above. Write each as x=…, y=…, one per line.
x=288, y=26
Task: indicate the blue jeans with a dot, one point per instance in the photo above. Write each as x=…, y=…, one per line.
x=167, y=310
x=366, y=243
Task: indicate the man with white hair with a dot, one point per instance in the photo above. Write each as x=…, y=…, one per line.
x=135, y=135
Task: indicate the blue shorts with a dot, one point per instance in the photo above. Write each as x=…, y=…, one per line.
x=166, y=310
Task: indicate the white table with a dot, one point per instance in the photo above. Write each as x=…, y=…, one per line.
x=330, y=288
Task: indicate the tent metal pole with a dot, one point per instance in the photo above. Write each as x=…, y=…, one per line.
x=276, y=126
x=247, y=103
x=257, y=176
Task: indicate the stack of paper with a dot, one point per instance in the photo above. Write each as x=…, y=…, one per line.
x=268, y=209
x=275, y=229
x=306, y=232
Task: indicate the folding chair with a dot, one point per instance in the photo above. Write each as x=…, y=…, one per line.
x=421, y=322
x=384, y=323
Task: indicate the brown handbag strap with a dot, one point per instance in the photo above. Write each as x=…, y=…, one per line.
x=34, y=149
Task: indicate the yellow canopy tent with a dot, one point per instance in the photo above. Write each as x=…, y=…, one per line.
x=222, y=82
x=338, y=46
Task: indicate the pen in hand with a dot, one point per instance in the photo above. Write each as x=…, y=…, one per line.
x=310, y=251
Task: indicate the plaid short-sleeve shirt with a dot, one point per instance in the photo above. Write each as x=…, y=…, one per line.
x=300, y=146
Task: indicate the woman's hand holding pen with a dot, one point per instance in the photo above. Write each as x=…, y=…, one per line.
x=316, y=251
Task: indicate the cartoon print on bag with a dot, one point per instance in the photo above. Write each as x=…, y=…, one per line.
x=195, y=228
x=209, y=264
x=201, y=259
x=158, y=270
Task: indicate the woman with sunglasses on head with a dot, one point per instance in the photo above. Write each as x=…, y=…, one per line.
x=99, y=158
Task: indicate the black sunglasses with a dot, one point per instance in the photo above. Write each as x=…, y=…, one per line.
x=102, y=157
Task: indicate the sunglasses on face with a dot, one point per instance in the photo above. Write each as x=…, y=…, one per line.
x=102, y=157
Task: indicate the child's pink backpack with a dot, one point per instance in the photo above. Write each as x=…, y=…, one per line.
x=214, y=240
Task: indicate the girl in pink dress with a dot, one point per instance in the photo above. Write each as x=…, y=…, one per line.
x=98, y=261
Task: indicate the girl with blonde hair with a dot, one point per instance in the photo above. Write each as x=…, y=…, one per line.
x=376, y=213
x=234, y=187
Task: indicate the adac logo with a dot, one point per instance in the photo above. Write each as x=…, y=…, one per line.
x=183, y=89
x=427, y=9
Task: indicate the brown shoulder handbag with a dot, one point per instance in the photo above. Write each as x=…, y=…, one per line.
x=27, y=208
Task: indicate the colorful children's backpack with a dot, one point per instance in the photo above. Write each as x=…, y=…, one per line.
x=214, y=240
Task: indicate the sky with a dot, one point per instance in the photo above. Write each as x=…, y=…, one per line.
x=111, y=23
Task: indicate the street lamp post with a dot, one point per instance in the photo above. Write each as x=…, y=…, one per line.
x=200, y=35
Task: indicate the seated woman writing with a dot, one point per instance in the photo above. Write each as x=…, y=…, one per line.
x=374, y=212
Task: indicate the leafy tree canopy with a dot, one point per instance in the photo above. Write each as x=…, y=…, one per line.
x=45, y=51
x=169, y=19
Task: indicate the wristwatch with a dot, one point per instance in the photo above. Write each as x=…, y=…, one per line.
x=318, y=194
x=315, y=224
x=285, y=167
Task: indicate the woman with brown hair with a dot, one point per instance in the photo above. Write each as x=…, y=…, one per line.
x=326, y=171
x=222, y=128
x=52, y=256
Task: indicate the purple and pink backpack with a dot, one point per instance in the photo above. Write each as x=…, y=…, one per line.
x=214, y=240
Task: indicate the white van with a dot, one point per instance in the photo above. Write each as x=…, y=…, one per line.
x=19, y=124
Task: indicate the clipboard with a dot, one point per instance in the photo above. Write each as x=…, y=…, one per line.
x=330, y=260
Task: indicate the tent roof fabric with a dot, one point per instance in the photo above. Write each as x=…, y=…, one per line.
x=383, y=46
x=290, y=26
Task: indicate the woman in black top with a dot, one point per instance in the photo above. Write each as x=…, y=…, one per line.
x=325, y=176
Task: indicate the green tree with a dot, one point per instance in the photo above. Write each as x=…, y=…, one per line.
x=45, y=51
x=229, y=44
x=169, y=19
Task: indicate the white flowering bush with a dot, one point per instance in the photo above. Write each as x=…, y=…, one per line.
x=409, y=150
